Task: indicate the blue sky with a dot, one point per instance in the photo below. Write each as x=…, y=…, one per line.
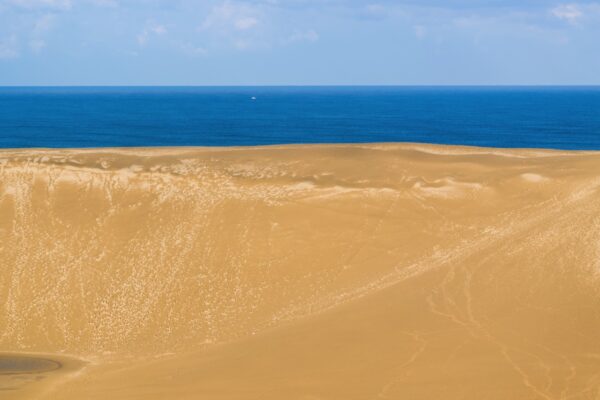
x=297, y=42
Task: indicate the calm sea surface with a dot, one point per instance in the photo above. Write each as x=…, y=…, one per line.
x=548, y=117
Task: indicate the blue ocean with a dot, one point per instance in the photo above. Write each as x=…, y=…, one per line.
x=538, y=117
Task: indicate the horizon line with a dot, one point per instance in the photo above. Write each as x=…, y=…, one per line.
x=300, y=86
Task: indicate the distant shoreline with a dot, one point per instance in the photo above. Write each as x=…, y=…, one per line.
x=422, y=146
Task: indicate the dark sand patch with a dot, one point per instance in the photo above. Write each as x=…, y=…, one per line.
x=19, y=365
x=22, y=375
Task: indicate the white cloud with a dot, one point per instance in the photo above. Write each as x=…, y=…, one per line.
x=229, y=16
x=245, y=23
x=236, y=24
x=571, y=13
x=192, y=50
x=158, y=30
x=375, y=11
x=151, y=29
x=8, y=48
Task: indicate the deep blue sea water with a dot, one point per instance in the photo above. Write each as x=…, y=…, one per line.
x=547, y=117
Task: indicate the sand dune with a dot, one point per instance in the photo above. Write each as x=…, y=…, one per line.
x=300, y=272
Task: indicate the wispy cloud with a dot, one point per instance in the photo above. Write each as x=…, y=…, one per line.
x=229, y=15
x=375, y=11
x=151, y=29
x=192, y=49
x=8, y=48
x=520, y=33
x=235, y=24
x=302, y=36
x=245, y=23
x=571, y=13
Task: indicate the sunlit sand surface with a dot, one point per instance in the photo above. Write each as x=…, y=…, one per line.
x=302, y=272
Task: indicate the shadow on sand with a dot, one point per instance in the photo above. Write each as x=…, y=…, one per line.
x=16, y=371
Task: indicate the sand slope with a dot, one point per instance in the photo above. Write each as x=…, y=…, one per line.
x=303, y=272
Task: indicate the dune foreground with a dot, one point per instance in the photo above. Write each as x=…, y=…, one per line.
x=300, y=272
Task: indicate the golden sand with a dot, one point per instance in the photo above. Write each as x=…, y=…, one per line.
x=301, y=272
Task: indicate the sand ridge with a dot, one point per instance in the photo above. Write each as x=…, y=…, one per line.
x=305, y=272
